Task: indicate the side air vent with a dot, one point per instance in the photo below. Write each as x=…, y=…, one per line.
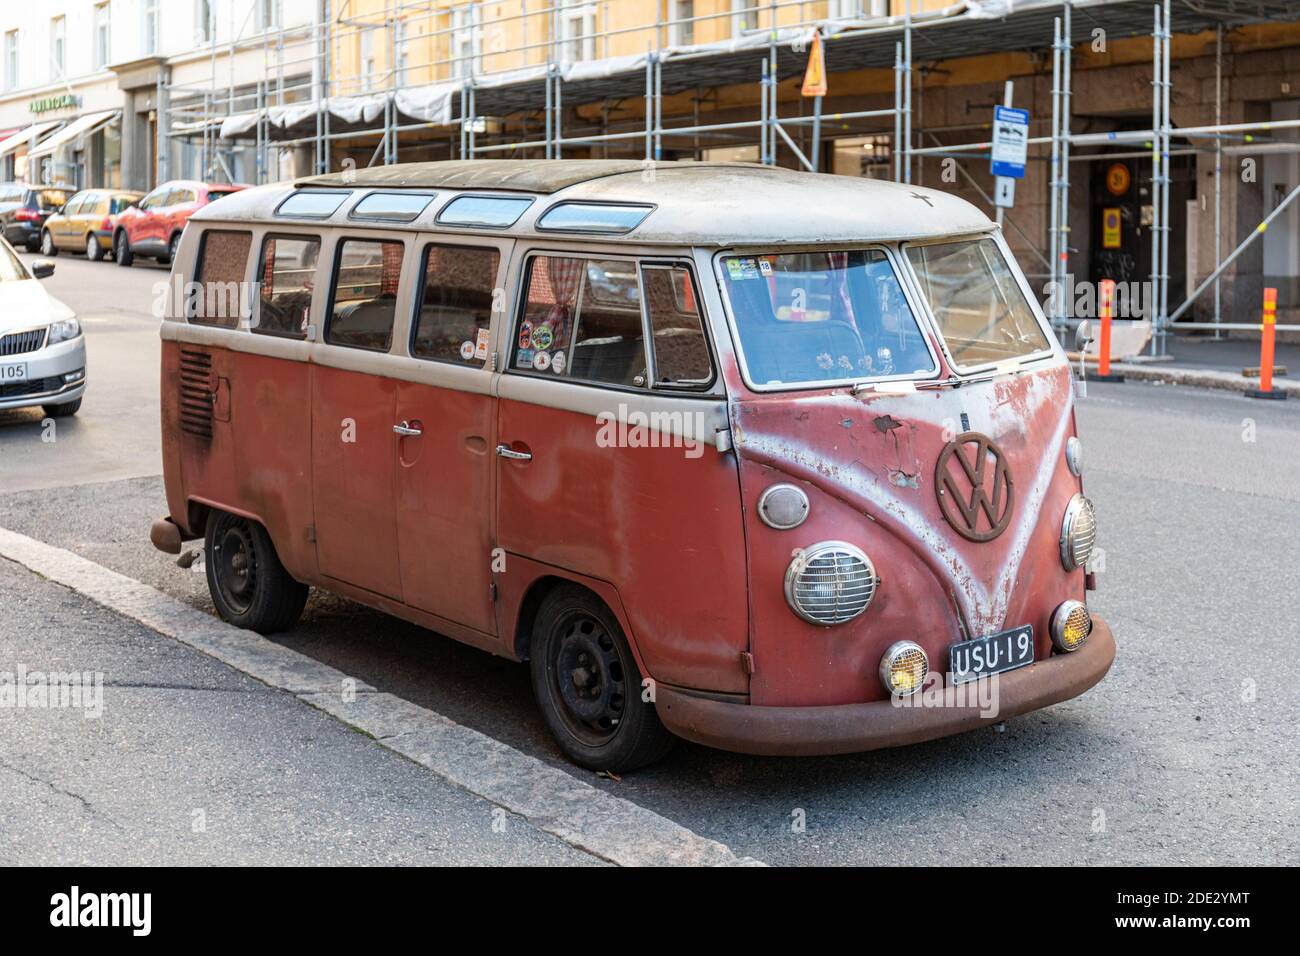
x=197, y=392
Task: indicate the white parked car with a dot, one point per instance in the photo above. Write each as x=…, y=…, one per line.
x=42, y=350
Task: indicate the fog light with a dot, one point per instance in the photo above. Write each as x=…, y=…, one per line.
x=1071, y=625
x=903, y=668
x=76, y=376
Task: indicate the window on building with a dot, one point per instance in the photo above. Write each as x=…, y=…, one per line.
x=149, y=26
x=103, y=36
x=455, y=307
x=205, y=26
x=577, y=30
x=744, y=16
x=364, y=300
x=366, y=56
x=288, y=276
x=269, y=14
x=866, y=156
x=402, y=52
x=11, y=60
x=466, y=40
x=681, y=29
x=223, y=256
x=58, y=48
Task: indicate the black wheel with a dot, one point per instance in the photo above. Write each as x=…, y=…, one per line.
x=249, y=585
x=588, y=686
x=94, y=251
x=172, y=247
x=33, y=245
x=122, y=250
x=66, y=410
x=48, y=248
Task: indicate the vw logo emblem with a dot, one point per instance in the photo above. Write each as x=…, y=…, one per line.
x=974, y=487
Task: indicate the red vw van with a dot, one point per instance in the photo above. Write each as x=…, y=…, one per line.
x=753, y=457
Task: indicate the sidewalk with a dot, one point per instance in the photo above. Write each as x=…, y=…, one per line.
x=1200, y=361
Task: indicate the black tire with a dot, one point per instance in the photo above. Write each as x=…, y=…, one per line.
x=588, y=687
x=122, y=254
x=66, y=410
x=47, y=247
x=172, y=248
x=249, y=585
x=33, y=245
x=94, y=251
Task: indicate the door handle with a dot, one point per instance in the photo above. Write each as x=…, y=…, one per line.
x=505, y=451
x=409, y=430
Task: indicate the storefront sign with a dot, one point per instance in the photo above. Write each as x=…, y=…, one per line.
x=47, y=104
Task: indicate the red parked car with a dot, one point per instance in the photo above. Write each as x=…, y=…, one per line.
x=153, y=227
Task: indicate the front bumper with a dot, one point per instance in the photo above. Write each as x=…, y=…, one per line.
x=852, y=728
x=46, y=371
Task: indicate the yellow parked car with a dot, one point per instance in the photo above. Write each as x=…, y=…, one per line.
x=86, y=222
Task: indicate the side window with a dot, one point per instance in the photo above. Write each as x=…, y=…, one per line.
x=288, y=276
x=223, y=256
x=680, y=351
x=364, y=300
x=582, y=320
x=154, y=199
x=455, y=307
x=74, y=204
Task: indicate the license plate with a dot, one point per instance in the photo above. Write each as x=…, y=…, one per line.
x=994, y=654
x=13, y=373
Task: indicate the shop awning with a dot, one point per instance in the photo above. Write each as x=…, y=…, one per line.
x=25, y=136
x=82, y=126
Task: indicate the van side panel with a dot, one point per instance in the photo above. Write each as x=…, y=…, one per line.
x=662, y=526
x=236, y=436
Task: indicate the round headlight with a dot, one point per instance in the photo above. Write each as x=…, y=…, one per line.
x=830, y=583
x=783, y=507
x=1078, y=533
x=1074, y=455
x=1071, y=625
x=903, y=668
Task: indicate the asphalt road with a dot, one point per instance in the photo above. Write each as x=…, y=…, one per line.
x=1186, y=753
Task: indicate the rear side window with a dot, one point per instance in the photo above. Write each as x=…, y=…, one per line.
x=121, y=202
x=363, y=302
x=455, y=307
x=681, y=353
x=309, y=205
x=392, y=207
x=288, y=276
x=223, y=257
x=582, y=320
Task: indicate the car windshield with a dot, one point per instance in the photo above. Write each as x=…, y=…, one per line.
x=11, y=270
x=977, y=303
x=813, y=318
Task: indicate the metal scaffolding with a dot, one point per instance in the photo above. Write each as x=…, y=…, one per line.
x=467, y=111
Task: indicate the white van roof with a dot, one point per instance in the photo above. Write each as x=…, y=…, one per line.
x=697, y=204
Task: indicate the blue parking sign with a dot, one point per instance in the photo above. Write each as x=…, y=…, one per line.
x=1010, y=141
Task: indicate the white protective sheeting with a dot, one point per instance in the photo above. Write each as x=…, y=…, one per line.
x=429, y=104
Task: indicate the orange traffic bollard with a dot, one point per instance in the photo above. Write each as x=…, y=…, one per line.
x=1267, y=333
x=1105, y=311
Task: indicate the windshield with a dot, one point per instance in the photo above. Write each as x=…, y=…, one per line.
x=11, y=270
x=818, y=317
x=977, y=303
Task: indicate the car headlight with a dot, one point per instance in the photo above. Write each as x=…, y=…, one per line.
x=1078, y=533
x=830, y=583
x=63, y=330
x=903, y=668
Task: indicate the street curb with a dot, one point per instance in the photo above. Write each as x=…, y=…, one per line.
x=1198, y=378
x=551, y=800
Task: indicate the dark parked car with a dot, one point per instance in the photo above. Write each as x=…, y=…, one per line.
x=23, y=219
